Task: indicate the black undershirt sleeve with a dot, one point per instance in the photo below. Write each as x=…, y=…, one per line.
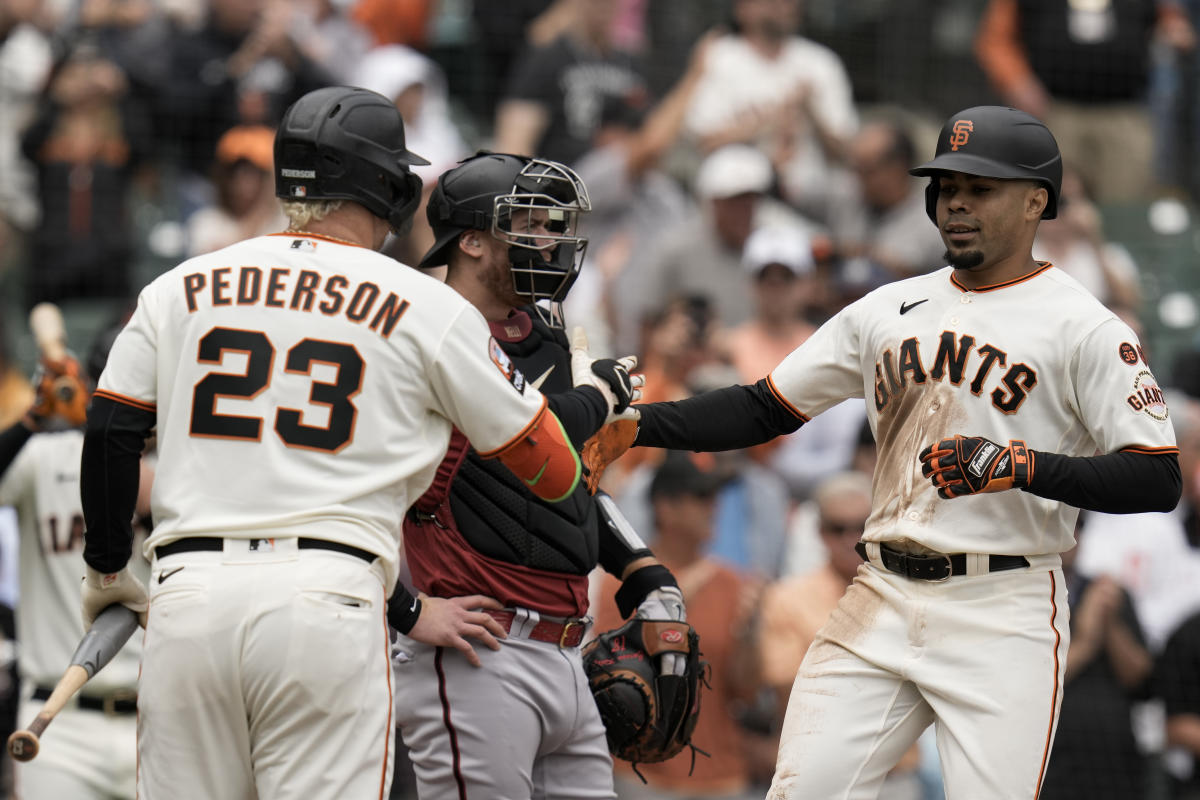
x=11, y=442
x=112, y=450
x=581, y=411
x=1113, y=483
x=723, y=419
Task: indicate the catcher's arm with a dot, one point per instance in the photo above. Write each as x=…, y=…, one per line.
x=647, y=587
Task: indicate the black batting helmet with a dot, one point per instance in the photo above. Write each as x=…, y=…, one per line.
x=489, y=192
x=995, y=142
x=343, y=143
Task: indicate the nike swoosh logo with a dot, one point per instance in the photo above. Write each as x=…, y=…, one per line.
x=537, y=382
x=907, y=307
x=162, y=576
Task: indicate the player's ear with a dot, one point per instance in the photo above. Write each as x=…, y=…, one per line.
x=471, y=243
x=1036, y=201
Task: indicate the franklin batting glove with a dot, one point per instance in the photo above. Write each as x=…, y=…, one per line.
x=611, y=377
x=973, y=465
x=101, y=590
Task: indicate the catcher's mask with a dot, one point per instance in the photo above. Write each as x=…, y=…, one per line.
x=343, y=143
x=531, y=204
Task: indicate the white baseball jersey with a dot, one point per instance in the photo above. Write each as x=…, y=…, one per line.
x=43, y=484
x=1037, y=359
x=306, y=387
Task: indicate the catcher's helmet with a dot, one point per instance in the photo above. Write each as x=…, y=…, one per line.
x=342, y=143
x=490, y=192
x=995, y=142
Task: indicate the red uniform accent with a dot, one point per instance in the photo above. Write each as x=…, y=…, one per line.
x=443, y=564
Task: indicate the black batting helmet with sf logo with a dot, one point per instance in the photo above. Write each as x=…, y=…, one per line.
x=995, y=142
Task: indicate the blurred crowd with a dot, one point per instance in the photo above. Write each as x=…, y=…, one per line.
x=744, y=188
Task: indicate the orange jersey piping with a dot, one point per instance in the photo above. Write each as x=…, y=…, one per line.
x=1045, y=265
x=784, y=401
x=129, y=401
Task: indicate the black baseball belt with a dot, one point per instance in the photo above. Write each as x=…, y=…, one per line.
x=122, y=701
x=935, y=566
x=192, y=544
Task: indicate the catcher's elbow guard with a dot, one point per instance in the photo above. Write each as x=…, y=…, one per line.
x=542, y=457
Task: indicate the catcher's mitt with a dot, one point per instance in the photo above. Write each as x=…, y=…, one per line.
x=648, y=717
x=606, y=446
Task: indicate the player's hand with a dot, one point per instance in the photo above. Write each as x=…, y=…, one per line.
x=60, y=393
x=972, y=465
x=102, y=590
x=613, y=378
x=666, y=603
x=448, y=621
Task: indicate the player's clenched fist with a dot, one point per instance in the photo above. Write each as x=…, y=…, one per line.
x=973, y=464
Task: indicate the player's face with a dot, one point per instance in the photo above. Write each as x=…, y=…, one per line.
x=533, y=225
x=981, y=220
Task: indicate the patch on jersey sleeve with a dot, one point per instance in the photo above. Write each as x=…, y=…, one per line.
x=1147, y=396
x=505, y=365
x=1128, y=353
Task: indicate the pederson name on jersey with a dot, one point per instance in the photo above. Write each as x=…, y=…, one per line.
x=307, y=290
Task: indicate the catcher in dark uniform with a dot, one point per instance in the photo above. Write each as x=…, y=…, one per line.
x=524, y=724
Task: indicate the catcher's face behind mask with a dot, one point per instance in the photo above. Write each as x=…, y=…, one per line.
x=539, y=220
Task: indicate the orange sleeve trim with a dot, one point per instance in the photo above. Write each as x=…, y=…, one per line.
x=499, y=451
x=784, y=401
x=129, y=401
x=1149, y=451
x=998, y=47
x=1054, y=692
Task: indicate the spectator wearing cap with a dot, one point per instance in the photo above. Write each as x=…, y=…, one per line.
x=245, y=192
x=417, y=86
x=719, y=600
x=779, y=262
x=702, y=256
x=887, y=239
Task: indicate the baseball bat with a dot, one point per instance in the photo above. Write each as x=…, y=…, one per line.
x=50, y=335
x=108, y=634
x=49, y=332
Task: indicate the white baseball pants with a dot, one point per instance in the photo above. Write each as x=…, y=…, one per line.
x=265, y=675
x=980, y=657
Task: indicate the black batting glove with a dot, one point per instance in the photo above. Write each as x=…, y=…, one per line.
x=973, y=465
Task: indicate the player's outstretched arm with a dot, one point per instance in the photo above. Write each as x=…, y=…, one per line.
x=1126, y=482
x=722, y=419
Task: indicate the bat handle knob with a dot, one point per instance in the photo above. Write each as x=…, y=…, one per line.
x=23, y=745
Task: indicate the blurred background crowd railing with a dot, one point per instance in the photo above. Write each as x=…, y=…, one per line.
x=747, y=163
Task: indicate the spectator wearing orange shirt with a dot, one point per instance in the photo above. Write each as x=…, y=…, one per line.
x=719, y=603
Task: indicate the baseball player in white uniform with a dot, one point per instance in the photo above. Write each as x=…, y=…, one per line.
x=91, y=751
x=996, y=373
x=303, y=387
